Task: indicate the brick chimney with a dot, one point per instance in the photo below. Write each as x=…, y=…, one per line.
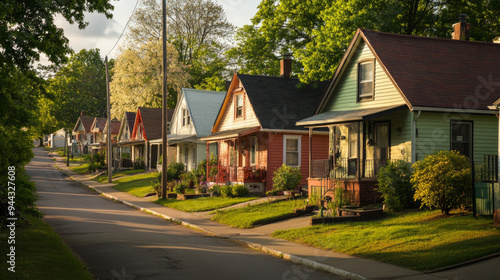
x=286, y=66
x=82, y=113
x=461, y=29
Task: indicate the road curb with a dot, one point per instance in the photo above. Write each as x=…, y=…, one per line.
x=289, y=257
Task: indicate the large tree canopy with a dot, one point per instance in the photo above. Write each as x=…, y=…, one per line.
x=199, y=32
x=137, y=78
x=318, y=32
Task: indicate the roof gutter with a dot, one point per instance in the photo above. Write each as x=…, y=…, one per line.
x=453, y=110
x=293, y=131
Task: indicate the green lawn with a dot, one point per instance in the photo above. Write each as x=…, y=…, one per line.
x=104, y=177
x=261, y=214
x=202, y=203
x=82, y=168
x=41, y=254
x=138, y=185
x=423, y=240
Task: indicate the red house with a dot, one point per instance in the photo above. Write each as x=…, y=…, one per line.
x=255, y=129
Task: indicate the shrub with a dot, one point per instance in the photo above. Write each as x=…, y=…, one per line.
x=189, y=178
x=214, y=190
x=286, y=178
x=226, y=191
x=100, y=159
x=239, y=191
x=174, y=170
x=394, y=185
x=179, y=188
x=92, y=167
x=139, y=164
x=442, y=180
x=341, y=198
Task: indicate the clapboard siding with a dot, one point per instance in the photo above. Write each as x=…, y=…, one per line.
x=344, y=96
x=229, y=122
x=434, y=133
x=319, y=151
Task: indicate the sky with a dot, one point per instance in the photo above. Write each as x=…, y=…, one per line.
x=103, y=33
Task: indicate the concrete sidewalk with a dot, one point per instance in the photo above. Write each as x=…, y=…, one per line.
x=259, y=238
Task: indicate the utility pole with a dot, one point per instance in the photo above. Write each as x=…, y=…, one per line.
x=108, y=139
x=164, y=104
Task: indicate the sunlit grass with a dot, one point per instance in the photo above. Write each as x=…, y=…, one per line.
x=104, y=177
x=423, y=240
x=254, y=215
x=138, y=185
x=202, y=203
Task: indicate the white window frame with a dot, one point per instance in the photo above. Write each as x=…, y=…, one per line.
x=299, y=144
x=242, y=96
x=186, y=118
x=371, y=96
x=253, y=140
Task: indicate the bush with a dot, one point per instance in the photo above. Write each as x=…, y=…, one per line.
x=180, y=188
x=239, y=191
x=286, y=178
x=92, y=167
x=100, y=159
x=443, y=180
x=215, y=190
x=226, y=191
x=174, y=170
x=341, y=198
x=394, y=185
x=139, y=164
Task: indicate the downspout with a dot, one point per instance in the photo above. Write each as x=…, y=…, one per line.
x=414, y=136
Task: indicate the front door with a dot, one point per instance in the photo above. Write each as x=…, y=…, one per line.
x=381, y=147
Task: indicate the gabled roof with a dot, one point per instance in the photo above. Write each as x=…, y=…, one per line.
x=203, y=106
x=278, y=102
x=85, y=121
x=151, y=119
x=128, y=119
x=98, y=125
x=115, y=126
x=432, y=72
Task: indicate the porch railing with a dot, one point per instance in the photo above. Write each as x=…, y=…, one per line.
x=222, y=174
x=345, y=168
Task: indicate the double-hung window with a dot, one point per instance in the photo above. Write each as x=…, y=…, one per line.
x=253, y=150
x=366, y=80
x=186, y=119
x=239, y=106
x=291, y=150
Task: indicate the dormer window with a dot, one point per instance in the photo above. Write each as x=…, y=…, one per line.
x=239, y=106
x=186, y=119
x=366, y=78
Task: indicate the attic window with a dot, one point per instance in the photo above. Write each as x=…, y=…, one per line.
x=186, y=119
x=366, y=78
x=239, y=106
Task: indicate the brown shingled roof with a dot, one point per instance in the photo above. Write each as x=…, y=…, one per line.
x=151, y=119
x=437, y=72
x=86, y=121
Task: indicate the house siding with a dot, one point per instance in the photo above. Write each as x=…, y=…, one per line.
x=434, y=133
x=400, y=141
x=229, y=122
x=345, y=93
x=319, y=151
x=176, y=124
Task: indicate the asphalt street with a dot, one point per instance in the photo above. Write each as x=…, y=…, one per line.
x=120, y=242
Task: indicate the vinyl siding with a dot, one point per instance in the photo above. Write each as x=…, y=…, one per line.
x=434, y=133
x=344, y=96
x=176, y=124
x=229, y=122
x=400, y=142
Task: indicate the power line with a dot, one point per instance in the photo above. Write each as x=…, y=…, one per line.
x=126, y=25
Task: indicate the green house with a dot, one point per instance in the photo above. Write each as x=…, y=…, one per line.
x=403, y=97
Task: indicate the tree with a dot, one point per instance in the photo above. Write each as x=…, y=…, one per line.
x=27, y=30
x=137, y=78
x=443, y=180
x=79, y=86
x=318, y=32
x=198, y=30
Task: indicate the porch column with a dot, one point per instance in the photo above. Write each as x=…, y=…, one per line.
x=208, y=152
x=310, y=151
x=358, y=169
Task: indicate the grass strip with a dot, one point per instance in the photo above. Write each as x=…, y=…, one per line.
x=421, y=240
x=41, y=254
x=261, y=214
x=138, y=185
x=104, y=177
x=203, y=203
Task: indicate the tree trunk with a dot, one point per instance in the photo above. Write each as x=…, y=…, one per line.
x=41, y=142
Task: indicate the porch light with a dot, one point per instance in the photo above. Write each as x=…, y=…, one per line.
x=398, y=130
